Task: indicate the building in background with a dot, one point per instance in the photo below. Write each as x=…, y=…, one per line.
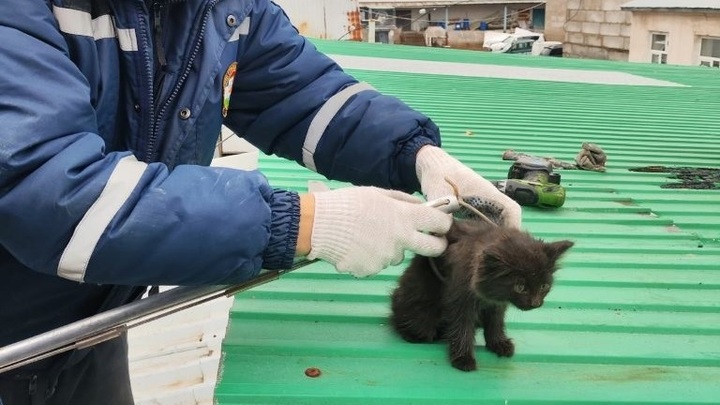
x=595, y=29
x=325, y=19
x=683, y=32
x=416, y=15
x=678, y=32
x=465, y=21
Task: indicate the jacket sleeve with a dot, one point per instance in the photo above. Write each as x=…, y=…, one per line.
x=67, y=208
x=293, y=101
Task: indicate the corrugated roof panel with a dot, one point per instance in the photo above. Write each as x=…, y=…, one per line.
x=634, y=316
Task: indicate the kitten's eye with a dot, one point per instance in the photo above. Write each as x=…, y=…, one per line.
x=545, y=287
x=520, y=288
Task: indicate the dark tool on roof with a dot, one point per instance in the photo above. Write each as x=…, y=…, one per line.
x=532, y=182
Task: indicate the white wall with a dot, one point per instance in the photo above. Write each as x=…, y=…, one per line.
x=326, y=19
x=684, y=33
x=175, y=360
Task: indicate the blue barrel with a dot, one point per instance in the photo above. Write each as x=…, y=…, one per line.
x=483, y=25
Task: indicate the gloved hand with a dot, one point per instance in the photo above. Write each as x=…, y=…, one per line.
x=434, y=165
x=362, y=230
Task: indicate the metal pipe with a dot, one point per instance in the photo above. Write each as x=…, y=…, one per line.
x=505, y=20
x=110, y=324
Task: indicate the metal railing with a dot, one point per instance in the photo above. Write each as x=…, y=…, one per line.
x=110, y=324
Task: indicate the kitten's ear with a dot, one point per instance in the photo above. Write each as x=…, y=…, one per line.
x=556, y=249
x=493, y=258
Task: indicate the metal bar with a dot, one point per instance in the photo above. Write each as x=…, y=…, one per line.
x=110, y=324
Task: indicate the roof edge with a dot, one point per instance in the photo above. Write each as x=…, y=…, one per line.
x=671, y=9
x=438, y=3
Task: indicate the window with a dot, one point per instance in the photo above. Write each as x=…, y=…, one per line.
x=658, y=47
x=710, y=52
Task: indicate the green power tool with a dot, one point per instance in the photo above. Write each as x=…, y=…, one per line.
x=532, y=182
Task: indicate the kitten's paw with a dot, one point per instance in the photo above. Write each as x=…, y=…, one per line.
x=465, y=363
x=502, y=347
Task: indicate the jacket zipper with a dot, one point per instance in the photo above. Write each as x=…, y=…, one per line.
x=157, y=26
x=149, y=64
x=161, y=62
x=152, y=139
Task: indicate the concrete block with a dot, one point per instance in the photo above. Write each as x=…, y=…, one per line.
x=620, y=56
x=573, y=4
x=591, y=28
x=596, y=53
x=576, y=38
x=576, y=15
x=573, y=26
x=615, y=17
x=626, y=30
x=612, y=5
x=595, y=16
x=593, y=5
x=610, y=29
x=615, y=43
x=591, y=52
x=593, y=40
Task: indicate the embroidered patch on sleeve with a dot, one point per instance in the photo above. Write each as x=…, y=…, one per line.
x=228, y=80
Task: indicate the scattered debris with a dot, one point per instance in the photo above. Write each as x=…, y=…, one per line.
x=556, y=163
x=591, y=157
x=696, y=178
x=312, y=372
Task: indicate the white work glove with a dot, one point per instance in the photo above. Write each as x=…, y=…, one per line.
x=362, y=230
x=434, y=165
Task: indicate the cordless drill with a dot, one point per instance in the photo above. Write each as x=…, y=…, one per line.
x=531, y=182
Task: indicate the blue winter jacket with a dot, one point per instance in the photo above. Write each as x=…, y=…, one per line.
x=110, y=111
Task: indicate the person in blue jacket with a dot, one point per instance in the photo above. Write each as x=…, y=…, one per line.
x=110, y=111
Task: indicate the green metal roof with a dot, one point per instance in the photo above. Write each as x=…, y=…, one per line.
x=634, y=317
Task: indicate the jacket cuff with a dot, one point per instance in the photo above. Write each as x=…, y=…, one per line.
x=284, y=227
x=407, y=159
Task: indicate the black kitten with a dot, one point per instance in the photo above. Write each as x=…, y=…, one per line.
x=483, y=269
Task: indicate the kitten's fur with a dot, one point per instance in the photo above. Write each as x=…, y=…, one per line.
x=484, y=269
